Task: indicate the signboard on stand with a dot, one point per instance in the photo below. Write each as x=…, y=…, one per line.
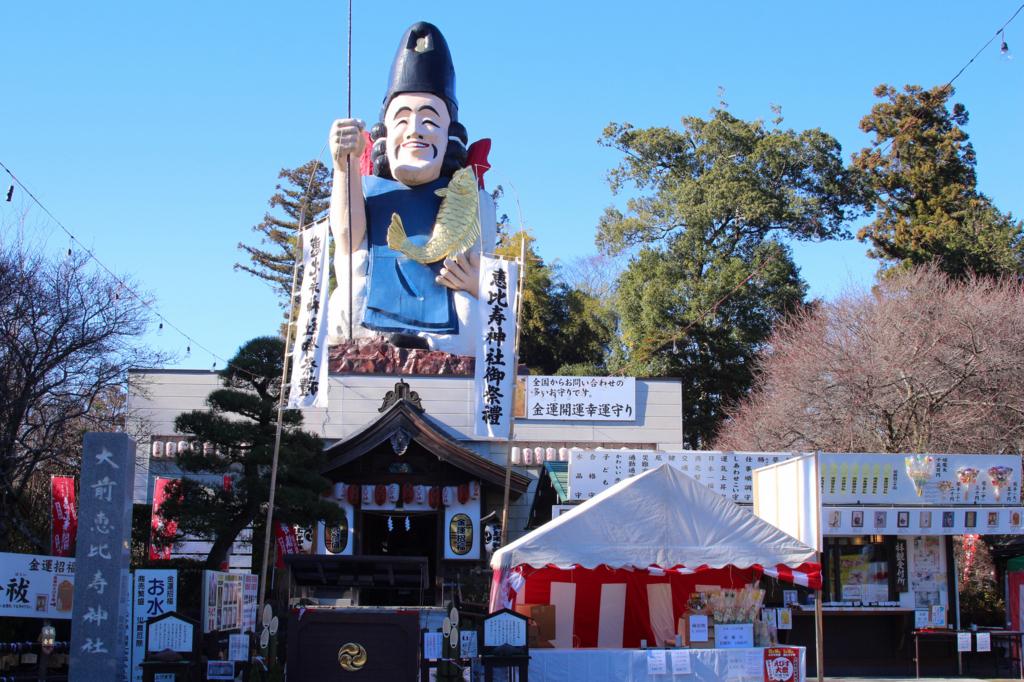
x=99, y=642
x=505, y=633
x=155, y=593
x=229, y=601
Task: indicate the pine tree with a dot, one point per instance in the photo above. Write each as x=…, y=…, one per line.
x=242, y=448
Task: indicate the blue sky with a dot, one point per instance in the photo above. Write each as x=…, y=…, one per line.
x=155, y=131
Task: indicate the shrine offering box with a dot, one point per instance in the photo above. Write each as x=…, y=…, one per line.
x=734, y=635
x=543, y=615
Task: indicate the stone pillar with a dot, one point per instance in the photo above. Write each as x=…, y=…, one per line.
x=99, y=643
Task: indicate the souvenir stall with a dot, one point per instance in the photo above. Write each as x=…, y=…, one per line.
x=656, y=575
x=889, y=523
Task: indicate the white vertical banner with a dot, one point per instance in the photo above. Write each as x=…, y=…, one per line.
x=154, y=593
x=495, y=348
x=309, y=356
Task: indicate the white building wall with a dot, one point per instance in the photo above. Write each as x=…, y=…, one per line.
x=156, y=397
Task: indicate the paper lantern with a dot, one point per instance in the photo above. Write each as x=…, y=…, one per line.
x=527, y=456
x=463, y=493
x=339, y=491
x=447, y=496
x=380, y=494
x=517, y=455
x=158, y=449
x=352, y=494
x=394, y=490
x=367, y=494
x=408, y=493
x=474, y=490
x=552, y=455
x=563, y=454
x=183, y=446
x=421, y=494
x=434, y=497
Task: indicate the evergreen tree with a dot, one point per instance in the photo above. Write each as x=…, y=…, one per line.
x=273, y=258
x=708, y=277
x=923, y=189
x=242, y=448
x=562, y=329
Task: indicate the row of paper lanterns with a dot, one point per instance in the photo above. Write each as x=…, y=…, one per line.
x=390, y=493
x=539, y=455
x=171, y=448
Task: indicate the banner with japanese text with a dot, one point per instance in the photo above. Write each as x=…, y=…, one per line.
x=309, y=355
x=36, y=586
x=155, y=592
x=495, y=348
x=287, y=540
x=64, y=519
x=160, y=527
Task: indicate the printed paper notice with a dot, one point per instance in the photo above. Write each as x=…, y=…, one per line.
x=680, y=661
x=432, y=643
x=963, y=641
x=698, y=628
x=656, y=664
x=920, y=618
x=984, y=641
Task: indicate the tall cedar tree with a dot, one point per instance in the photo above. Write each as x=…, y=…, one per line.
x=709, y=278
x=205, y=507
x=274, y=257
x=562, y=329
x=923, y=189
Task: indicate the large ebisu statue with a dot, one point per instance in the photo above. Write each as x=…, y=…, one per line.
x=419, y=222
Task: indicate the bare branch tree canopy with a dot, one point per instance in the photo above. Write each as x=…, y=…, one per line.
x=68, y=338
x=923, y=363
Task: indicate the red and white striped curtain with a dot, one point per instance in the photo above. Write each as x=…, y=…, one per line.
x=614, y=608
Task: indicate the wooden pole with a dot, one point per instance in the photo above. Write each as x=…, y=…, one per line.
x=819, y=616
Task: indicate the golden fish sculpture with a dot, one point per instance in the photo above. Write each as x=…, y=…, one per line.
x=456, y=228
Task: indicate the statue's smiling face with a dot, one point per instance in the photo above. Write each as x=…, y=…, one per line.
x=417, y=125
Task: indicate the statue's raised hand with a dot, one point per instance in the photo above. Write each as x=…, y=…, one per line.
x=347, y=141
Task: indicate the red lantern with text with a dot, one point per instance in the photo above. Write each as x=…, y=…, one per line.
x=380, y=494
x=352, y=494
x=474, y=490
x=408, y=493
x=463, y=493
x=434, y=497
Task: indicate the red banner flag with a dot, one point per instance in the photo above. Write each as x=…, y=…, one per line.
x=287, y=541
x=64, y=516
x=159, y=527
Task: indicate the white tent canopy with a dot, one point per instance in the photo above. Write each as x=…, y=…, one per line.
x=661, y=518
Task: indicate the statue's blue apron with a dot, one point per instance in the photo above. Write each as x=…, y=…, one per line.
x=402, y=295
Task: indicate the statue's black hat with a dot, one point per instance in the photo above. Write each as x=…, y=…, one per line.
x=423, y=64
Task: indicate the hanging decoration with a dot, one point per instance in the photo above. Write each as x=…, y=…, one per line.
x=408, y=493
x=394, y=490
x=434, y=497
x=463, y=493
x=352, y=494
x=380, y=494
x=367, y=494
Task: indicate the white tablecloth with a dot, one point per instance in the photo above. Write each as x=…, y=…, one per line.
x=630, y=665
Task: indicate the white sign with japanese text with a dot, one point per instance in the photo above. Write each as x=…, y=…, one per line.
x=309, y=356
x=154, y=593
x=581, y=398
x=858, y=478
x=727, y=473
x=495, y=348
x=36, y=586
